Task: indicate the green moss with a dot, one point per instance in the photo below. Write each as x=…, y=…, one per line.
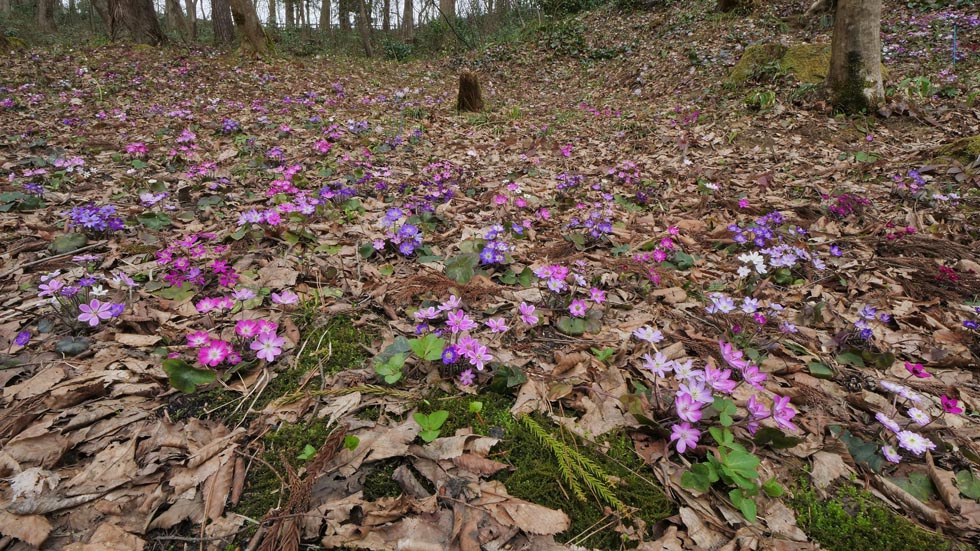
x=965, y=150
x=378, y=483
x=849, y=95
x=809, y=63
x=334, y=347
x=855, y=519
x=536, y=476
x=757, y=60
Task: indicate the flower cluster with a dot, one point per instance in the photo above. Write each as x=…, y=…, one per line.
x=866, y=317
x=80, y=302
x=259, y=336
x=845, y=204
x=441, y=181
x=495, y=250
x=192, y=259
x=94, y=219
x=402, y=235
x=698, y=388
x=627, y=176
x=761, y=312
x=460, y=326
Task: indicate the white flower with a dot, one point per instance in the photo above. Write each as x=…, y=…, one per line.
x=648, y=334
x=98, y=291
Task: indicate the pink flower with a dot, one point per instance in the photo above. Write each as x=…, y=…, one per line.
x=214, y=352
x=732, y=355
x=782, y=412
x=688, y=409
x=756, y=409
x=527, y=313
x=686, y=436
x=459, y=322
x=950, y=405
x=753, y=376
x=266, y=327
x=917, y=370
x=285, y=298
x=95, y=311
x=247, y=328
x=198, y=339
x=743, y=203
x=719, y=379
x=598, y=295
x=497, y=325
x=577, y=308
x=267, y=346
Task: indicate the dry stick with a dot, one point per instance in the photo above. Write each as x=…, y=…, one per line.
x=49, y=258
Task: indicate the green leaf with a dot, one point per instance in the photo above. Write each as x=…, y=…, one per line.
x=68, y=243
x=861, y=450
x=969, y=485
x=604, y=354
x=72, y=346
x=461, y=268
x=366, y=250
x=476, y=407
x=741, y=462
x=391, y=368
x=428, y=435
x=917, y=484
x=154, y=220
x=683, y=260
x=571, y=326
x=821, y=370
x=851, y=357
x=696, y=478
x=386, y=270
x=438, y=418
x=773, y=488
x=351, y=442
x=177, y=294
x=429, y=347
x=526, y=277
x=185, y=377
x=775, y=439
x=307, y=453
x=746, y=505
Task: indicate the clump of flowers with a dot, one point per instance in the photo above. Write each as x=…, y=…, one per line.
x=195, y=260
x=760, y=312
x=136, y=150
x=627, y=176
x=441, y=181
x=867, y=317
x=254, y=339
x=93, y=219
x=496, y=248
x=448, y=319
x=778, y=245
x=79, y=302
x=402, y=235
x=842, y=205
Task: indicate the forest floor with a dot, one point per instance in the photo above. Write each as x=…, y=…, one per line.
x=635, y=303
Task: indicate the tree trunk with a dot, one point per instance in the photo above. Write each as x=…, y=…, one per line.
x=325, y=15
x=344, y=14
x=448, y=8
x=137, y=17
x=4, y=6
x=4, y=43
x=224, y=30
x=408, y=19
x=192, y=18
x=502, y=7
x=855, y=56
x=273, y=18
x=364, y=27
x=243, y=11
x=386, y=16
x=290, y=16
x=45, y=16
x=176, y=19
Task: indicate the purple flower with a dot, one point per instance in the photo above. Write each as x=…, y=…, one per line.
x=459, y=322
x=467, y=377
x=267, y=346
x=22, y=338
x=648, y=334
x=950, y=405
x=247, y=328
x=94, y=312
x=116, y=309
x=719, y=379
x=891, y=454
x=688, y=409
x=887, y=422
x=917, y=370
x=732, y=355
x=450, y=355
x=753, y=376
x=285, y=298
x=577, y=308
x=782, y=412
x=198, y=339
x=527, y=313
x=756, y=409
x=686, y=436
x=496, y=325
x=659, y=364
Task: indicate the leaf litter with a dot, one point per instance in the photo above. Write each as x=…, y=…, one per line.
x=637, y=177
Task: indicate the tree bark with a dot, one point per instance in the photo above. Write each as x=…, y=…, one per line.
x=325, y=15
x=243, y=12
x=176, y=19
x=386, y=16
x=344, y=14
x=364, y=28
x=273, y=18
x=448, y=9
x=45, y=16
x=192, y=18
x=4, y=6
x=137, y=17
x=224, y=30
x=290, y=15
x=855, y=57
x=408, y=19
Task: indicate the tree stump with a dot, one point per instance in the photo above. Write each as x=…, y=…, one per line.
x=470, y=96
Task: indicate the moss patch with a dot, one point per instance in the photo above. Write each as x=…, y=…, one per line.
x=809, y=63
x=965, y=150
x=537, y=477
x=756, y=61
x=855, y=519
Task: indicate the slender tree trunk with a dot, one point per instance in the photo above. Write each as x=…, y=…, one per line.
x=45, y=16
x=137, y=17
x=254, y=37
x=4, y=6
x=503, y=6
x=224, y=29
x=176, y=19
x=72, y=9
x=408, y=19
x=448, y=8
x=290, y=20
x=344, y=7
x=855, y=57
x=192, y=17
x=4, y=43
x=273, y=17
x=364, y=27
x=386, y=16
x=325, y=15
